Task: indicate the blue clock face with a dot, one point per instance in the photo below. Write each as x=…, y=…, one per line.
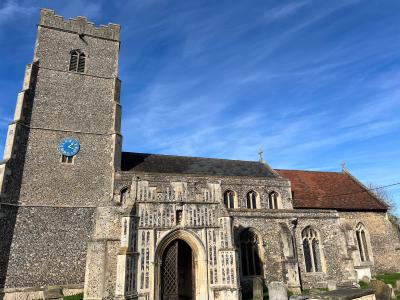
x=68, y=147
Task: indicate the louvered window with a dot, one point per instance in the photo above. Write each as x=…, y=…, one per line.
x=77, y=61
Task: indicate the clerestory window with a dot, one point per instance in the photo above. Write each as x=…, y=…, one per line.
x=229, y=199
x=77, y=61
x=251, y=200
x=273, y=200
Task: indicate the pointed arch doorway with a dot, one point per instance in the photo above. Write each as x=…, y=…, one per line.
x=177, y=272
x=184, y=241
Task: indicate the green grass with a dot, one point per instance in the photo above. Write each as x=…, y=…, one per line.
x=389, y=278
x=74, y=297
x=363, y=284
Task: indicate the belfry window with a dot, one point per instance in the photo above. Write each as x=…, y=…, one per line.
x=362, y=242
x=250, y=257
x=311, y=249
x=251, y=200
x=229, y=199
x=273, y=200
x=77, y=61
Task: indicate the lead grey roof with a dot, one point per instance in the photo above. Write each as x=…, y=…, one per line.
x=157, y=163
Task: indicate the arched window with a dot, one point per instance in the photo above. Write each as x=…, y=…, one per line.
x=77, y=61
x=273, y=200
x=362, y=242
x=251, y=200
x=229, y=199
x=251, y=263
x=123, y=194
x=311, y=249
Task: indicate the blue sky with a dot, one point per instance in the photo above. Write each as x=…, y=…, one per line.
x=313, y=83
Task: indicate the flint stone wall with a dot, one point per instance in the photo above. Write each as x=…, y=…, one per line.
x=383, y=236
x=49, y=246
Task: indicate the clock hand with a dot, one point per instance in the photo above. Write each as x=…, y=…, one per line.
x=70, y=146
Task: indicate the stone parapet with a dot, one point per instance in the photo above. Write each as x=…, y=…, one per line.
x=79, y=25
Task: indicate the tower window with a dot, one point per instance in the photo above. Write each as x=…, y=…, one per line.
x=77, y=61
x=67, y=159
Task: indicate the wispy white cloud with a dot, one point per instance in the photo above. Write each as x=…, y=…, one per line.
x=285, y=10
x=12, y=9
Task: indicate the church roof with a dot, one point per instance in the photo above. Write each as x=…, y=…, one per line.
x=157, y=163
x=311, y=189
x=330, y=190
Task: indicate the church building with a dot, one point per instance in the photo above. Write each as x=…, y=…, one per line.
x=78, y=215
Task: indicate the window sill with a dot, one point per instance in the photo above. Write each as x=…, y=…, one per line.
x=315, y=273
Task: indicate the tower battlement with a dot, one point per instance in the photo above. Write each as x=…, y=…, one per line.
x=79, y=25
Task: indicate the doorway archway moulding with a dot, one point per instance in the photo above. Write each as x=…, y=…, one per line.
x=199, y=256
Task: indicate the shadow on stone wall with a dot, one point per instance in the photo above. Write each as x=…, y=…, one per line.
x=9, y=208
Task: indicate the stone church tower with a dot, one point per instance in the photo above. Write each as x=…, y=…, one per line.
x=70, y=91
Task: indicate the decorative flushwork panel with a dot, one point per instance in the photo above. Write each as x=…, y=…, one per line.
x=200, y=215
x=212, y=255
x=163, y=215
x=228, y=269
x=225, y=235
x=144, y=242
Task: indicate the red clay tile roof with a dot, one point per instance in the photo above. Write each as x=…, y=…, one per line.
x=317, y=189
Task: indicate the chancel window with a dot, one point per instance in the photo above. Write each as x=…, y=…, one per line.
x=229, y=199
x=250, y=258
x=311, y=249
x=251, y=200
x=273, y=200
x=77, y=61
x=362, y=242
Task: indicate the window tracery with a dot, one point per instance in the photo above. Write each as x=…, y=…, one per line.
x=250, y=258
x=311, y=249
x=362, y=242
